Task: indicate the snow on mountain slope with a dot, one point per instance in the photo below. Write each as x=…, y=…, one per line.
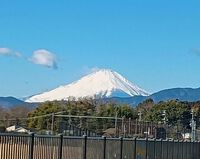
x=102, y=83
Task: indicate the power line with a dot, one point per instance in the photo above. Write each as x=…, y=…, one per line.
x=57, y=115
x=90, y=117
x=35, y=117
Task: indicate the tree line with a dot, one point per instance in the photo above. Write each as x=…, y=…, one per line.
x=174, y=113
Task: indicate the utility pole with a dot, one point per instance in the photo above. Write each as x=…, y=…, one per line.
x=123, y=127
x=164, y=116
x=52, y=122
x=81, y=123
x=193, y=126
x=164, y=119
x=116, y=123
x=70, y=120
x=140, y=125
x=129, y=126
x=140, y=116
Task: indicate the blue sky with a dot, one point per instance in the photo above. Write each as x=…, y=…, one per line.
x=155, y=44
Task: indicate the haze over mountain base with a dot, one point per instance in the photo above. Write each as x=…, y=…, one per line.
x=182, y=94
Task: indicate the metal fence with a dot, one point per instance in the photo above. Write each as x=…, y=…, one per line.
x=63, y=147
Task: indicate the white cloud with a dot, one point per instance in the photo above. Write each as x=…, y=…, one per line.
x=94, y=69
x=88, y=70
x=5, y=51
x=40, y=57
x=17, y=54
x=44, y=58
x=8, y=52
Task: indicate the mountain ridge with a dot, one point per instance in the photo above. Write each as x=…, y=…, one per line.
x=8, y=102
x=182, y=94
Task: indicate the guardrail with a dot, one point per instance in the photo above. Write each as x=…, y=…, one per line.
x=13, y=146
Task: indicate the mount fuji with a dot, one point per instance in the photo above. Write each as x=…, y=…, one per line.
x=100, y=84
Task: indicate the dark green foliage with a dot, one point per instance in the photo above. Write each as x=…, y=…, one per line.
x=178, y=114
x=79, y=108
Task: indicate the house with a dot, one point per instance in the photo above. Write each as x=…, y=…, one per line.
x=186, y=136
x=17, y=129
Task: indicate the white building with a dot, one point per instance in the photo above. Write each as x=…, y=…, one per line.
x=16, y=128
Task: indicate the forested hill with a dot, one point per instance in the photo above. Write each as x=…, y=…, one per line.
x=8, y=102
x=182, y=94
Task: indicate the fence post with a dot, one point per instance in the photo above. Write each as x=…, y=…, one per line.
x=198, y=148
x=146, y=155
x=161, y=142
x=178, y=148
x=104, y=147
x=173, y=150
x=190, y=148
x=167, y=157
x=85, y=147
x=121, y=147
x=193, y=149
x=181, y=149
x=135, y=147
x=154, y=149
x=186, y=149
x=31, y=146
x=60, y=146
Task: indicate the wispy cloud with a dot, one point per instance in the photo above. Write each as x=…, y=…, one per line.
x=9, y=52
x=45, y=58
x=18, y=54
x=88, y=70
x=5, y=51
x=40, y=57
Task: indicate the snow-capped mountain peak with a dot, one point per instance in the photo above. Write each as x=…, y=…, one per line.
x=99, y=84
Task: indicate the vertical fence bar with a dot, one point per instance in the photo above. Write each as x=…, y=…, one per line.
x=104, y=147
x=135, y=147
x=31, y=146
x=191, y=149
x=154, y=149
x=60, y=146
x=167, y=149
x=195, y=147
x=85, y=147
x=197, y=144
x=193, y=152
x=181, y=149
x=146, y=155
x=121, y=148
x=173, y=149
x=198, y=148
x=177, y=147
x=186, y=148
x=161, y=154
